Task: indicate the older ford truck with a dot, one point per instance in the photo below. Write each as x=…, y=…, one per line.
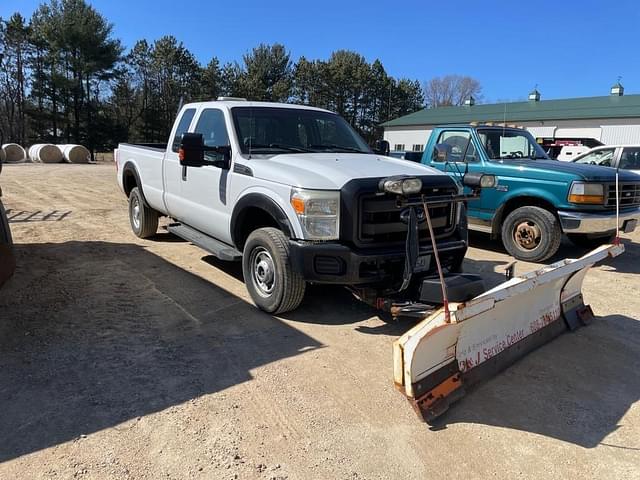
x=535, y=199
x=297, y=195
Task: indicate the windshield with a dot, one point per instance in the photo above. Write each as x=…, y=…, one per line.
x=268, y=130
x=502, y=144
x=602, y=157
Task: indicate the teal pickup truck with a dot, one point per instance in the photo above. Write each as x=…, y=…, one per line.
x=535, y=200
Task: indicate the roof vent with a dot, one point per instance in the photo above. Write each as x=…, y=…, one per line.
x=469, y=102
x=534, y=95
x=617, y=90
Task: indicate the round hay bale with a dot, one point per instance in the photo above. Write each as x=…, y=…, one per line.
x=75, y=153
x=3, y=157
x=45, y=153
x=14, y=153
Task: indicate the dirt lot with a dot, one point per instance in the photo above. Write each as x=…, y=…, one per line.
x=122, y=358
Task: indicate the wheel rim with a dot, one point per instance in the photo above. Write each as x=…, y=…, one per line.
x=263, y=271
x=527, y=235
x=135, y=212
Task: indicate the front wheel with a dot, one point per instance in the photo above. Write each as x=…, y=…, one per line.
x=271, y=281
x=531, y=234
x=590, y=241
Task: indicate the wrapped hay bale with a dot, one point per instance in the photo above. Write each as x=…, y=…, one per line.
x=75, y=153
x=14, y=153
x=45, y=153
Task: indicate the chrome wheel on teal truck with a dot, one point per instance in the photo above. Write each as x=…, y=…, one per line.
x=535, y=199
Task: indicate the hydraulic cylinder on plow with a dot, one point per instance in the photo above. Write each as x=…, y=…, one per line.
x=456, y=347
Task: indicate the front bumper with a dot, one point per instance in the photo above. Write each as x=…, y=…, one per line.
x=577, y=222
x=340, y=264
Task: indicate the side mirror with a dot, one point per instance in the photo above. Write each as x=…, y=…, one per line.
x=224, y=162
x=381, y=148
x=191, y=152
x=413, y=156
x=442, y=152
x=478, y=180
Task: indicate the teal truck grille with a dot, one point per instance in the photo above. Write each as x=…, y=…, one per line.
x=629, y=194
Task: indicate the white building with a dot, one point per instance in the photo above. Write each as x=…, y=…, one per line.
x=589, y=121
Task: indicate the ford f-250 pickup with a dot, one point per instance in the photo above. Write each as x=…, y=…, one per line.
x=535, y=199
x=296, y=194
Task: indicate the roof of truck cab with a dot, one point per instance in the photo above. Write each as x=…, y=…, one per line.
x=244, y=103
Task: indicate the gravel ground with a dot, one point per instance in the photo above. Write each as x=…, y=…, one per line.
x=122, y=358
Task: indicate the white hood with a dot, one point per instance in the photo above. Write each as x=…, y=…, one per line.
x=330, y=171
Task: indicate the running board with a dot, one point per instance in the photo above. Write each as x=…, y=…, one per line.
x=437, y=360
x=215, y=247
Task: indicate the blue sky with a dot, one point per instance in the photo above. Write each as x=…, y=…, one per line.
x=568, y=48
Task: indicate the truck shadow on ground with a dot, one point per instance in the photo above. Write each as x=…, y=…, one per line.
x=576, y=388
x=93, y=334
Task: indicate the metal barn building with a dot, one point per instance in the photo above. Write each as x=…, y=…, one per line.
x=589, y=121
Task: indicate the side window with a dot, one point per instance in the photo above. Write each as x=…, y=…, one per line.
x=630, y=159
x=461, y=147
x=602, y=157
x=212, y=126
x=183, y=126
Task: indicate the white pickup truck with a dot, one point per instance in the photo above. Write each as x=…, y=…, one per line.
x=296, y=194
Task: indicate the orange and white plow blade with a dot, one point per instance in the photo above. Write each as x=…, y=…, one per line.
x=435, y=360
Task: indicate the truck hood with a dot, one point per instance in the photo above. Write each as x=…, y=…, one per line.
x=539, y=170
x=330, y=171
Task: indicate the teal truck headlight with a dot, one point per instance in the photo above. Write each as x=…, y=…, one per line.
x=586, y=193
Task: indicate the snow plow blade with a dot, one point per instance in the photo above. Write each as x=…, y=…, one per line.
x=435, y=361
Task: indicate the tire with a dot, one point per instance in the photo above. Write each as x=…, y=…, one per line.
x=271, y=281
x=590, y=241
x=143, y=219
x=531, y=234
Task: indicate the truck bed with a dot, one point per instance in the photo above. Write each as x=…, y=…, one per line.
x=147, y=159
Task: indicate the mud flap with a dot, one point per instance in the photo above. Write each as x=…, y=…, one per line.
x=436, y=360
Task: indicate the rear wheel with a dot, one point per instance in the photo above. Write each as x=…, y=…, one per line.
x=143, y=219
x=590, y=241
x=271, y=281
x=531, y=234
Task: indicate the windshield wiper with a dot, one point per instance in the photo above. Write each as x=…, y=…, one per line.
x=336, y=148
x=279, y=146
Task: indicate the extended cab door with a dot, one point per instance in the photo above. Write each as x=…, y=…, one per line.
x=203, y=190
x=172, y=170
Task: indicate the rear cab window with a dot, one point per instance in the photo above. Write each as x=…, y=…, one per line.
x=213, y=128
x=461, y=146
x=183, y=127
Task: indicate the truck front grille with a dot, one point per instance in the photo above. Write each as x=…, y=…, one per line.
x=629, y=194
x=380, y=221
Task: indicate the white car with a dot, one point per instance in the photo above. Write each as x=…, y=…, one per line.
x=625, y=157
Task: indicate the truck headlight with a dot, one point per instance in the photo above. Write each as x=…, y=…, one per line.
x=586, y=193
x=318, y=212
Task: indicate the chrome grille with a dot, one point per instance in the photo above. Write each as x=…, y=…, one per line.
x=629, y=194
